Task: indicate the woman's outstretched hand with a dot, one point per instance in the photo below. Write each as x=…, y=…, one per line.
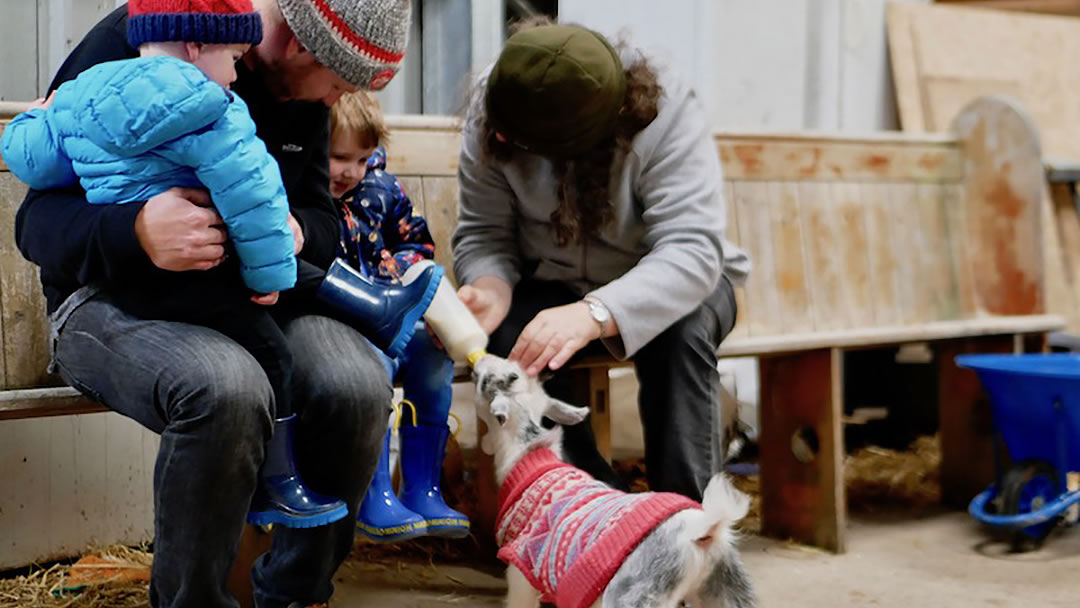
x=553, y=336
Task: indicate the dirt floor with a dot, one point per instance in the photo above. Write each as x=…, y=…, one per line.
x=941, y=561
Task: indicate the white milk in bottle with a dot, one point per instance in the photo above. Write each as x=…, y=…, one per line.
x=455, y=325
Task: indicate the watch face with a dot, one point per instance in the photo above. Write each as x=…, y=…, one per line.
x=599, y=313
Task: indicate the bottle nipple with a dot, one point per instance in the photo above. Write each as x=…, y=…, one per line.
x=475, y=356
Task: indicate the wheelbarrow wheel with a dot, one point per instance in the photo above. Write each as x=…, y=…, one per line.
x=1025, y=488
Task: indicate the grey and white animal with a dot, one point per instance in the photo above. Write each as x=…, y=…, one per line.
x=689, y=559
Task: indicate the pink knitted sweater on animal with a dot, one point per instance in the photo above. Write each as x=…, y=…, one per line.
x=569, y=533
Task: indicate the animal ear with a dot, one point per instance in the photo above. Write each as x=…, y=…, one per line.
x=500, y=409
x=564, y=413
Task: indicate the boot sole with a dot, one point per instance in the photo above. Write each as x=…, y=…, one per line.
x=265, y=518
x=408, y=325
x=374, y=535
x=448, y=532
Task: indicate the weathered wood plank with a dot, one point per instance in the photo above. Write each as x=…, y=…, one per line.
x=824, y=267
x=418, y=150
x=904, y=68
x=909, y=250
x=762, y=309
x=892, y=335
x=3, y=165
x=441, y=209
x=414, y=189
x=881, y=254
x=429, y=147
x=936, y=268
x=763, y=159
x=850, y=209
x=1004, y=189
x=961, y=255
x=791, y=282
x=802, y=448
x=732, y=234
x=23, y=325
x=40, y=402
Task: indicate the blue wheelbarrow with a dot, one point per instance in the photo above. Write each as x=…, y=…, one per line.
x=1036, y=407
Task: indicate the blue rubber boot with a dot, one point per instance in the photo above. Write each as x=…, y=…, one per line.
x=384, y=312
x=281, y=497
x=382, y=518
x=422, y=451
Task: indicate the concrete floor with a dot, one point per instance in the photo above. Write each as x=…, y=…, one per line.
x=941, y=561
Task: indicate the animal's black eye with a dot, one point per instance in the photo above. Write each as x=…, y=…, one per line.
x=512, y=378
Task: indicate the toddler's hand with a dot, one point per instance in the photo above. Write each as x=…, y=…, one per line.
x=268, y=299
x=43, y=103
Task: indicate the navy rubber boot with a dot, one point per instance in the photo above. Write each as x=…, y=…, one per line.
x=281, y=497
x=382, y=518
x=384, y=312
x=422, y=451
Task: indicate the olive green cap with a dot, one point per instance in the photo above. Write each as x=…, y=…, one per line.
x=556, y=90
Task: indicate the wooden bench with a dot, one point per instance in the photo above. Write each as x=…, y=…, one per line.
x=857, y=242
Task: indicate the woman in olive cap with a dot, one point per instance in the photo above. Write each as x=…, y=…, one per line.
x=592, y=215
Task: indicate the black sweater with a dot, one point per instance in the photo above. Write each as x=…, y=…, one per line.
x=76, y=243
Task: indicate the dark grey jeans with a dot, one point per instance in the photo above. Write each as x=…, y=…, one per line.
x=679, y=389
x=212, y=405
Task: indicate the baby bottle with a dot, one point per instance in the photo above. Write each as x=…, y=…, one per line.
x=455, y=325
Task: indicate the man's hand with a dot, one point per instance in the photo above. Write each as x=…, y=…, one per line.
x=488, y=298
x=180, y=230
x=297, y=234
x=266, y=299
x=553, y=336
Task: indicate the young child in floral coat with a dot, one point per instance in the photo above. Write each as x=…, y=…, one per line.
x=382, y=236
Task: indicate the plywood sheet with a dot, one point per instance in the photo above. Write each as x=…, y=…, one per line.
x=944, y=57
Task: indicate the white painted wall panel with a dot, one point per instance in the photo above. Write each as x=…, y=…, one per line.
x=72, y=482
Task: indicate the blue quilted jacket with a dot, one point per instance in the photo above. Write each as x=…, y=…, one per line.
x=128, y=130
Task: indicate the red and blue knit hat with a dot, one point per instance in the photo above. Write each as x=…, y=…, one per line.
x=206, y=21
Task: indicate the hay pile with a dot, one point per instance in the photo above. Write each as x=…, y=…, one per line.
x=876, y=476
x=426, y=549
x=115, y=577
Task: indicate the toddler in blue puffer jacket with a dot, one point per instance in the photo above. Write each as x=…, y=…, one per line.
x=129, y=130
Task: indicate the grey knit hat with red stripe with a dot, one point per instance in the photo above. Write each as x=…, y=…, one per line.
x=363, y=41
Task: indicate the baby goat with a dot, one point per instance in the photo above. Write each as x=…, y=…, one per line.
x=573, y=541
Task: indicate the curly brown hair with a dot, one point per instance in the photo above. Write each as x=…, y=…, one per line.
x=584, y=188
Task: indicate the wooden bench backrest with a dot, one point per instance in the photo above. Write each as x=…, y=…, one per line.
x=845, y=233
x=890, y=230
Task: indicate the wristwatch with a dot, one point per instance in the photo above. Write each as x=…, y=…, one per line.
x=599, y=313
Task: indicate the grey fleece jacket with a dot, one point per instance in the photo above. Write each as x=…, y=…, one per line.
x=656, y=262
